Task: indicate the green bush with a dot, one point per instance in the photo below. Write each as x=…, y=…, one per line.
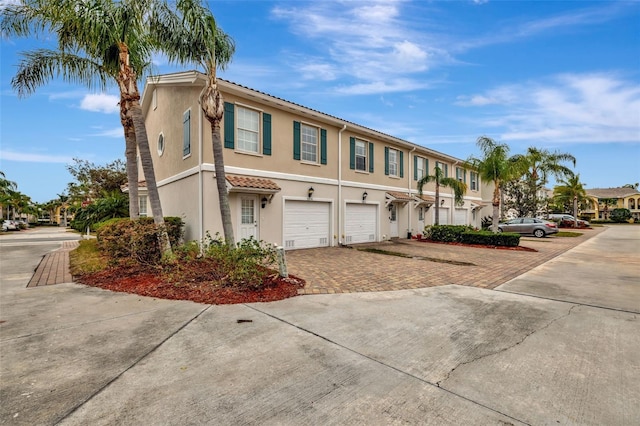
x=488, y=238
x=620, y=215
x=124, y=239
x=446, y=233
x=244, y=266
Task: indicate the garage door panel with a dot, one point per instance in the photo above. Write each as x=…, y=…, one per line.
x=306, y=224
x=361, y=223
x=460, y=217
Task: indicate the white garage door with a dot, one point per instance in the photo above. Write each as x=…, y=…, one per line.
x=360, y=223
x=306, y=224
x=461, y=217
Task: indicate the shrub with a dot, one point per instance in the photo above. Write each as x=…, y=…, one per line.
x=244, y=266
x=620, y=215
x=487, y=221
x=124, y=239
x=446, y=233
x=506, y=239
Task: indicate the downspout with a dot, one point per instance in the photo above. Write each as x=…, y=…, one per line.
x=344, y=127
x=410, y=195
x=200, y=175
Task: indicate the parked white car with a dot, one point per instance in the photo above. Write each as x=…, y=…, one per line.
x=9, y=225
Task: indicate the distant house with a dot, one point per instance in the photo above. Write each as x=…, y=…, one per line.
x=604, y=200
x=296, y=177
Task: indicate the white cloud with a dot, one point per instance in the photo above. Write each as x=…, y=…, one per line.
x=26, y=157
x=566, y=108
x=116, y=132
x=102, y=102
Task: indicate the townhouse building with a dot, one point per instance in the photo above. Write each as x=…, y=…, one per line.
x=604, y=200
x=296, y=177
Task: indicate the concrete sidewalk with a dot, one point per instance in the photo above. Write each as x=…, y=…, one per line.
x=443, y=355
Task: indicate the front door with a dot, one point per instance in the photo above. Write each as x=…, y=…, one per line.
x=248, y=217
x=393, y=221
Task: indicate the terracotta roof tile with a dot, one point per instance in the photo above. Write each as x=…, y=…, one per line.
x=427, y=198
x=252, y=183
x=611, y=192
x=401, y=196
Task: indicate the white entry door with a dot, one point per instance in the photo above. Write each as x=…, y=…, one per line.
x=248, y=217
x=393, y=221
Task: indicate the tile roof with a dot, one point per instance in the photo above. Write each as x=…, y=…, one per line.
x=612, y=192
x=426, y=198
x=252, y=183
x=401, y=196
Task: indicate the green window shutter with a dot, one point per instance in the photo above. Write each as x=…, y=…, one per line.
x=296, y=140
x=401, y=164
x=426, y=167
x=352, y=153
x=386, y=160
x=323, y=146
x=266, y=134
x=370, y=157
x=186, y=133
x=446, y=170
x=415, y=167
x=229, y=126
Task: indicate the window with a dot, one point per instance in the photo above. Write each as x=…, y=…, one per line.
x=154, y=99
x=160, y=144
x=361, y=155
x=309, y=140
x=142, y=203
x=247, y=211
x=461, y=174
x=420, y=167
x=421, y=214
x=393, y=162
x=248, y=129
x=309, y=143
x=474, y=181
x=186, y=131
x=444, y=168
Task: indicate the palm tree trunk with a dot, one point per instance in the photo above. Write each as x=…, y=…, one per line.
x=131, y=96
x=575, y=211
x=132, y=163
x=213, y=107
x=496, y=207
x=437, y=212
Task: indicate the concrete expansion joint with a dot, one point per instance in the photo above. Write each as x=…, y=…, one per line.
x=526, y=336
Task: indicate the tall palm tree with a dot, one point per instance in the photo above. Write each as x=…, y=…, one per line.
x=540, y=163
x=191, y=35
x=571, y=191
x=494, y=165
x=6, y=188
x=98, y=41
x=438, y=177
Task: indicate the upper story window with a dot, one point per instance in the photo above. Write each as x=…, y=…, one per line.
x=160, y=144
x=309, y=143
x=186, y=131
x=360, y=155
x=461, y=174
x=444, y=168
x=247, y=129
x=420, y=167
x=393, y=164
x=474, y=181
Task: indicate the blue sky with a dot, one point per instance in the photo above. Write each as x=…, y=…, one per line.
x=560, y=75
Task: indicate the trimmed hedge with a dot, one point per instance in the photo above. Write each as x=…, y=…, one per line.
x=488, y=238
x=446, y=233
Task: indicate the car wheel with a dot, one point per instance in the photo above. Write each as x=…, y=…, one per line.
x=538, y=233
x=499, y=229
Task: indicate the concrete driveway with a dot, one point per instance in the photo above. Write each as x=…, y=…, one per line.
x=441, y=355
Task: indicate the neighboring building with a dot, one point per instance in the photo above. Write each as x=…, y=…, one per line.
x=604, y=200
x=297, y=177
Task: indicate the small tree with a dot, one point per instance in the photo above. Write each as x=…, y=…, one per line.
x=438, y=177
x=620, y=215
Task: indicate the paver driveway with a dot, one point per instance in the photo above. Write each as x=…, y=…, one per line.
x=348, y=270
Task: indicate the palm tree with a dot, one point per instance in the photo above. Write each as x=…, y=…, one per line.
x=494, y=165
x=98, y=41
x=571, y=191
x=540, y=163
x=438, y=177
x=6, y=188
x=191, y=35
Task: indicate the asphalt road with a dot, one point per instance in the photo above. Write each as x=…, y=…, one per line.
x=557, y=345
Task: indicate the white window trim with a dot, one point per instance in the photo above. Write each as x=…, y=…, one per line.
x=396, y=162
x=366, y=156
x=317, y=128
x=161, y=149
x=423, y=162
x=237, y=133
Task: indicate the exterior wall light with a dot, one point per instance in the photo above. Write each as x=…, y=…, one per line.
x=263, y=202
x=310, y=192
x=442, y=202
x=364, y=196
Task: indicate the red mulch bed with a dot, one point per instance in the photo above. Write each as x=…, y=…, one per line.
x=154, y=282
x=517, y=248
